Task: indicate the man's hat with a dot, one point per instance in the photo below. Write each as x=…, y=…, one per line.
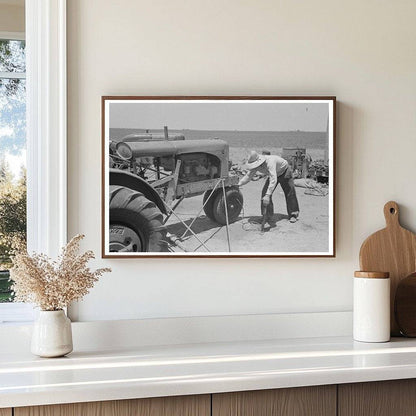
x=254, y=160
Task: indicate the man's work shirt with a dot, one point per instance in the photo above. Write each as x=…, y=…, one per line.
x=274, y=166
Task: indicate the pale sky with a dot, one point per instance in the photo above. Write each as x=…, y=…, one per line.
x=258, y=116
x=16, y=162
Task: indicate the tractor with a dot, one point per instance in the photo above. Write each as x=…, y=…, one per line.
x=150, y=175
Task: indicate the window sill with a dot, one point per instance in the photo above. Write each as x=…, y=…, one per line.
x=16, y=313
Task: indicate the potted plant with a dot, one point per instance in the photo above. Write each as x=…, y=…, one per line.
x=52, y=285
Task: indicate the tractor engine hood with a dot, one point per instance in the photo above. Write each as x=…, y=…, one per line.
x=148, y=137
x=129, y=150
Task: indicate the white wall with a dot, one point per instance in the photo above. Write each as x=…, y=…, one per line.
x=361, y=51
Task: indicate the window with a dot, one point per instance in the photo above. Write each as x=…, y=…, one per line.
x=12, y=154
x=45, y=27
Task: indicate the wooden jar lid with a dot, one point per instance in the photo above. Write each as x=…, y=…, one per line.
x=372, y=275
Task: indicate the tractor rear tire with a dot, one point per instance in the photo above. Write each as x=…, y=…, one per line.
x=138, y=218
x=209, y=206
x=234, y=205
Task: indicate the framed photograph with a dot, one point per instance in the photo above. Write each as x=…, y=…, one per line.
x=218, y=177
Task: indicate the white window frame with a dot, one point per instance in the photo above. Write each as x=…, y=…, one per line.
x=12, y=35
x=46, y=127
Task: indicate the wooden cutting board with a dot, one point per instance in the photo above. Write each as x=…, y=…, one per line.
x=393, y=250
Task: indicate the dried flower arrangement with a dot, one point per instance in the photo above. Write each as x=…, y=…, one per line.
x=53, y=285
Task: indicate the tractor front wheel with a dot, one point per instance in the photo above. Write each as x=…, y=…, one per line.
x=234, y=205
x=136, y=224
x=209, y=203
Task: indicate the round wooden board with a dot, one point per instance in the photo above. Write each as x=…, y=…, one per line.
x=393, y=250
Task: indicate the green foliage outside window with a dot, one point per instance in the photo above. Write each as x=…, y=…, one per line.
x=12, y=145
x=12, y=223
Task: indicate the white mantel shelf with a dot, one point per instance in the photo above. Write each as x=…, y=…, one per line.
x=152, y=371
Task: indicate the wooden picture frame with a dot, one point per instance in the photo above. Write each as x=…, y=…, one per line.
x=169, y=163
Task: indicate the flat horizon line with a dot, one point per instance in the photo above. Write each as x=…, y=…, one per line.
x=245, y=131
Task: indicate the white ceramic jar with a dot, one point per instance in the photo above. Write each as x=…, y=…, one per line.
x=52, y=334
x=371, y=305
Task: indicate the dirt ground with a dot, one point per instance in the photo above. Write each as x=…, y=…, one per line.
x=308, y=234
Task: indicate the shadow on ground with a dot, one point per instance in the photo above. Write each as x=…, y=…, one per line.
x=275, y=219
x=203, y=224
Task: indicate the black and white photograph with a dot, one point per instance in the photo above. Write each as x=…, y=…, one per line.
x=218, y=176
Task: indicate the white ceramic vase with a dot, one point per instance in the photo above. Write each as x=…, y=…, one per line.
x=52, y=334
